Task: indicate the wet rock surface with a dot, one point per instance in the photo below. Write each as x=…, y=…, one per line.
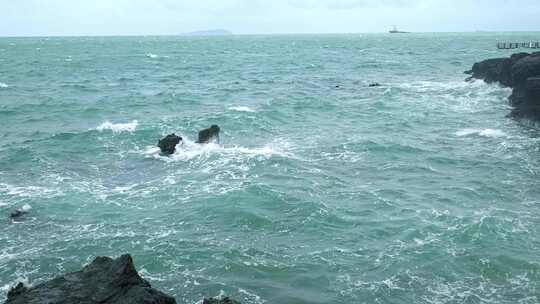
x=521, y=72
x=167, y=145
x=104, y=281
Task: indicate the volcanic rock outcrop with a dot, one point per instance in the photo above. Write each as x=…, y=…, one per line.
x=521, y=72
x=104, y=281
x=167, y=145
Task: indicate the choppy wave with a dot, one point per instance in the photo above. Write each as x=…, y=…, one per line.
x=150, y=55
x=242, y=109
x=494, y=133
x=118, y=127
x=3, y=85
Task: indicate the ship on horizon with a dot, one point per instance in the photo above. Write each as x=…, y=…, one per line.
x=395, y=31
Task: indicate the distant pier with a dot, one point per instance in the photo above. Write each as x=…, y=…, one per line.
x=517, y=45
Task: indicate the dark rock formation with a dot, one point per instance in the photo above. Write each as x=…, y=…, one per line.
x=104, y=281
x=220, y=301
x=521, y=72
x=168, y=144
x=17, y=214
x=207, y=135
x=374, y=84
x=17, y=290
x=526, y=98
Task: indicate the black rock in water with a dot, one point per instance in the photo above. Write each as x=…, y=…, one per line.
x=220, y=301
x=521, y=72
x=104, y=281
x=207, y=135
x=168, y=144
x=17, y=214
x=374, y=84
x=17, y=290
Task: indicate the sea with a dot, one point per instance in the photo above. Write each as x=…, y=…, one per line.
x=323, y=189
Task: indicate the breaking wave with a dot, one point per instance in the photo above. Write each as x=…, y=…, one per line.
x=189, y=150
x=118, y=127
x=242, y=109
x=494, y=133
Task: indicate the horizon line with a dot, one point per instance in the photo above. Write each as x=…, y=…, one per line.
x=190, y=34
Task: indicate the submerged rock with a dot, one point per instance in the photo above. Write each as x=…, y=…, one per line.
x=225, y=300
x=168, y=144
x=19, y=213
x=521, y=72
x=104, y=281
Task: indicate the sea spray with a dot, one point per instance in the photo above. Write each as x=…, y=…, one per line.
x=118, y=127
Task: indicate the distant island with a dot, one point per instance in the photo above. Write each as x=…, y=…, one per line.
x=218, y=32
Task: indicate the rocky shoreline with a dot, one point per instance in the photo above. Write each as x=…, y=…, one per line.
x=104, y=281
x=521, y=72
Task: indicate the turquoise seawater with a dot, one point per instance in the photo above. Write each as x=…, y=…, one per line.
x=323, y=189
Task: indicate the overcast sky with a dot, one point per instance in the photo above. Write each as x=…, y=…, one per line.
x=147, y=17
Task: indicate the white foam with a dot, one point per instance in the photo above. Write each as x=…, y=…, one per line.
x=5, y=288
x=428, y=86
x=493, y=133
x=3, y=85
x=118, y=127
x=150, y=55
x=28, y=191
x=26, y=208
x=242, y=109
x=189, y=150
x=124, y=189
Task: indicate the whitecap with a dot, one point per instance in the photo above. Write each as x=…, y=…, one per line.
x=3, y=85
x=150, y=55
x=118, y=127
x=28, y=191
x=26, y=208
x=124, y=189
x=188, y=150
x=5, y=288
x=493, y=133
x=242, y=109
x=428, y=86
